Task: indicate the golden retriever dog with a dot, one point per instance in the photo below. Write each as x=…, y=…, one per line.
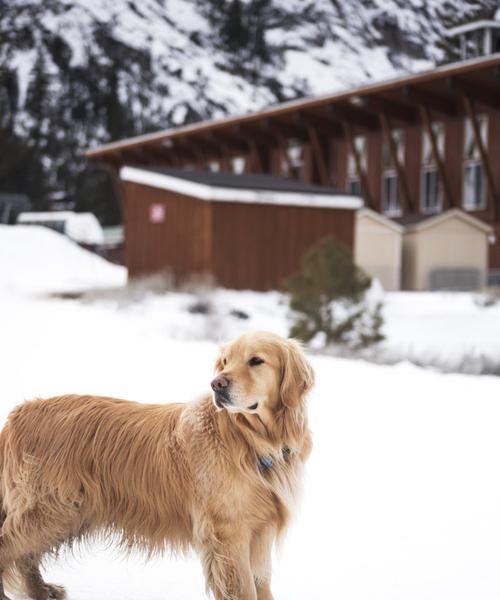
x=219, y=475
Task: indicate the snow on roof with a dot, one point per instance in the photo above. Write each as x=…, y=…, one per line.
x=229, y=187
x=379, y=218
x=57, y=215
x=81, y=227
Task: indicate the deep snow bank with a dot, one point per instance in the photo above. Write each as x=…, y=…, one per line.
x=37, y=260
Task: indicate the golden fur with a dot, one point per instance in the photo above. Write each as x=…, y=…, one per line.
x=160, y=477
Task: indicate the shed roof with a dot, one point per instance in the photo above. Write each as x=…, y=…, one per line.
x=381, y=219
x=231, y=187
x=427, y=221
x=245, y=181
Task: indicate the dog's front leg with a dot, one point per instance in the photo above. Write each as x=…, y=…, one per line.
x=226, y=563
x=260, y=559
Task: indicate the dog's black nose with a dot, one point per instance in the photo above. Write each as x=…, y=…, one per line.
x=219, y=383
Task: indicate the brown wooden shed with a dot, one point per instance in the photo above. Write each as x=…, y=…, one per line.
x=247, y=231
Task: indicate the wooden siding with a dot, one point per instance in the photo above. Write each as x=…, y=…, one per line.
x=181, y=244
x=244, y=246
x=256, y=246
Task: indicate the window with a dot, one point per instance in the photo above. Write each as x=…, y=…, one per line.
x=238, y=164
x=353, y=180
x=292, y=164
x=392, y=205
x=474, y=43
x=474, y=188
x=390, y=184
x=354, y=187
x=431, y=192
x=495, y=44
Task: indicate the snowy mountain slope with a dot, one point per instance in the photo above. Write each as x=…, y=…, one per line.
x=75, y=73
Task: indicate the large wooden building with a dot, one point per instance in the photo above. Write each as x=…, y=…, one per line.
x=417, y=145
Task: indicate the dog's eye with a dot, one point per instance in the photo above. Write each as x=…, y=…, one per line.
x=255, y=361
x=224, y=361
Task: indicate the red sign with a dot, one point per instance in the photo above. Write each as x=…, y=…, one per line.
x=157, y=213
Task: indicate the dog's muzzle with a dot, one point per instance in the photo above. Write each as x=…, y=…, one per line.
x=220, y=387
x=222, y=398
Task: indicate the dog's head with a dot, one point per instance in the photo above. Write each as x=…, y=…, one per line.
x=259, y=372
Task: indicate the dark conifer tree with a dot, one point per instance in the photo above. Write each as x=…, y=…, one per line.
x=235, y=32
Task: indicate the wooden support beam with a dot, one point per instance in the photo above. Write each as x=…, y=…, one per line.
x=365, y=189
x=396, y=110
x=228, y=141
x=107, y=161
x=202, y=148
x=190, y=152
x=256, y=159
x=133, y=155
x=438, y=159
x=354, y=114
x=435, y=102
x=471, y=114
x=206, y=145
x=478, y=93
x=256, y=132
x=182, y=149
x=285, y=128
x=159, y=155
x=319, y=155
x=324, y=126
x=408, y=203
x=263, y=138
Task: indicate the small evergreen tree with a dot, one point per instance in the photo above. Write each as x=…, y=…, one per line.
x=327, y=296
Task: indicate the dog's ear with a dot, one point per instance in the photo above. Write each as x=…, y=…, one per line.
x=297, y=376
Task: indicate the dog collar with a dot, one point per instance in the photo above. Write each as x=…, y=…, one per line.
x=266, y=462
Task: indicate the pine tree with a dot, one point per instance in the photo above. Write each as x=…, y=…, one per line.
x=234, y=32
x=259, y=16
x=327, y=296
x=37, y=98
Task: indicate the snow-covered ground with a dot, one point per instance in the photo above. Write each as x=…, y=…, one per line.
x=402, y=493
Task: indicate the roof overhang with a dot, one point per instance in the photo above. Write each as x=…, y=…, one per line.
x=479, y=74
x=210, y=193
